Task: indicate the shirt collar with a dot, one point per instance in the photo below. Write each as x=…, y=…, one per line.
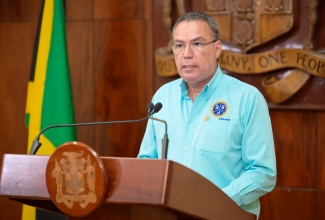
x=208, y=89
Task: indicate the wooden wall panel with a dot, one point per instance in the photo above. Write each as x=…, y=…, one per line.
x=15, y=62
x=19, y=10
x=79, y=10
x=295, y=141
x=118, y=63
x=297, y=194
x=285, y=204
x=117, y=10
x=321, y=205
x=80, y=50
x=321, y=150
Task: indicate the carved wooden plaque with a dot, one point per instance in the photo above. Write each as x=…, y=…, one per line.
x=76, y=179
x=246, y=25
x=271, y=44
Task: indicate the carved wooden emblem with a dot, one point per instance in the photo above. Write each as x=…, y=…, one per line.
x=248, y=30
x=248, y=24
x=76, y=179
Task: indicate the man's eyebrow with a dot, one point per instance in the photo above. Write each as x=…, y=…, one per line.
x=198, y=38
x=195, y=39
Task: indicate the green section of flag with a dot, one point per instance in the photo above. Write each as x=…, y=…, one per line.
x=57, y=101
x=27, y=119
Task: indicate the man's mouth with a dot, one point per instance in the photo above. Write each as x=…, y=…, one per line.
x=188, y=67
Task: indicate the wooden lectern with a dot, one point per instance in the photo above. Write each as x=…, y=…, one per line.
x=136, y=189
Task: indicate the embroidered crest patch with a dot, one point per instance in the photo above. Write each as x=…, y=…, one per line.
x=219, y=109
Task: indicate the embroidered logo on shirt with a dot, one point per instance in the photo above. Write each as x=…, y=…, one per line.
x=219, y=109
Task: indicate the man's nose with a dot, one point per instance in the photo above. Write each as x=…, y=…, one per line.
x=188, y=52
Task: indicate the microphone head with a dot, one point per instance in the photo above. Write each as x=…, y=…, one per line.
x=150, y=107
x=157, y=107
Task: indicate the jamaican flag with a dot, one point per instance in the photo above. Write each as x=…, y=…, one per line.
x=49, y=98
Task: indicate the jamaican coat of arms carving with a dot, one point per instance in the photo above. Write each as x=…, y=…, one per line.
x=246, y=25
x=268, y=44
x=76, y=179
x=78, y=176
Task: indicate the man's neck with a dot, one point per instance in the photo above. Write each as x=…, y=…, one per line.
x=195, y=90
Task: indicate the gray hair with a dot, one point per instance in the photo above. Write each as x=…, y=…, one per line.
x=196, y=16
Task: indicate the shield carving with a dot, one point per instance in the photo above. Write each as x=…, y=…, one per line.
x=73, y=173
x=247, y=24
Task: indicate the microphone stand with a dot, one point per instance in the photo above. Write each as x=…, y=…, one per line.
x=152, y=109
x=164, y=140
x=36, y=144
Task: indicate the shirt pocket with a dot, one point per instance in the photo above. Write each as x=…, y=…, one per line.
x=214, y=138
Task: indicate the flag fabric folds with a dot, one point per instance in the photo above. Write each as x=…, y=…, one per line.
x=49, y=98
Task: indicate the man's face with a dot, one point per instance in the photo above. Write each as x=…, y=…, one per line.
x=196, y=67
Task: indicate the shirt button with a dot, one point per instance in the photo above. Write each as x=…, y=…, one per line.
x=190, y=126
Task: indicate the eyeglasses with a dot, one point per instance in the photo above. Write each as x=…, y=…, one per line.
x=194, y=46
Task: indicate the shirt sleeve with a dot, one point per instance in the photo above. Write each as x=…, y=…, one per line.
x=258, y=156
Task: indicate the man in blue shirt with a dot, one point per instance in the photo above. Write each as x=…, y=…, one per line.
x=217, y=125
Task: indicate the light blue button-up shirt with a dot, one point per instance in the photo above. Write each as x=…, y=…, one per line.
x=225, y=135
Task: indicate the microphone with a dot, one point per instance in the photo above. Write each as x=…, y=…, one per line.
x=164, y=141
x=152, y=109
x=156, y=108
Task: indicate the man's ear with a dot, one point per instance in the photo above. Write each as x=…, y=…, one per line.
x=218, y=48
